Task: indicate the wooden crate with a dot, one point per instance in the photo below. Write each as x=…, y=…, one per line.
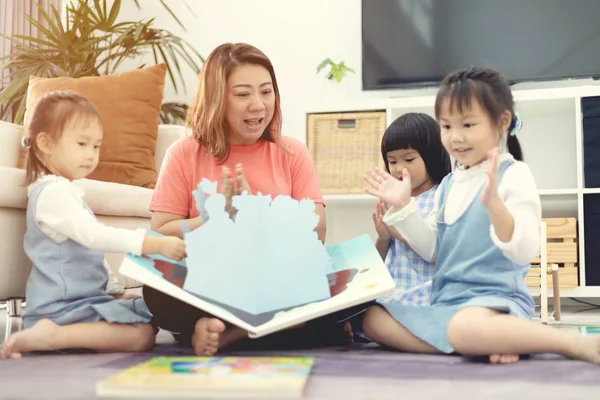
x=562, y=250
x=343, y=147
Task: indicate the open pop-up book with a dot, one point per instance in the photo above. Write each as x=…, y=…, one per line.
x=265, y=270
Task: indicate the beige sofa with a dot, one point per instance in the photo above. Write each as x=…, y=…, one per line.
x=114, y=204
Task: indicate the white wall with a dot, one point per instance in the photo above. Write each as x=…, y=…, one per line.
x=295, y=35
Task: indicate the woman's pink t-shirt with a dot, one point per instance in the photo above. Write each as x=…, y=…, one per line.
x=268, y=168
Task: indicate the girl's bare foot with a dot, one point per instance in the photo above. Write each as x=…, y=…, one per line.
x=587, y=348
x=37, y=338
x=504, y=358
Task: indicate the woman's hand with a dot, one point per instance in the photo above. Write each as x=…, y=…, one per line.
x=227, y=189
x=389, y=189
x=241, y=181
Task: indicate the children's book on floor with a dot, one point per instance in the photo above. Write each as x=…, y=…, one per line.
x=583, y=329
x=264, y=270
x=201, y=377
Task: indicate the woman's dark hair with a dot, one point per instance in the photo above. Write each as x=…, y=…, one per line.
x=489, y=88
x=420, y=132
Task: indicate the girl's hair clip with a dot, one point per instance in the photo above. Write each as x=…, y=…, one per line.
x=26, y=142
x=518, y=125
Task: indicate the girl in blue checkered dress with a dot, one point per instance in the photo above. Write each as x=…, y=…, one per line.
x=413, y=142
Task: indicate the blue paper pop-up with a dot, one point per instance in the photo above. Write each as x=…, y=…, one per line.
x=269, y=259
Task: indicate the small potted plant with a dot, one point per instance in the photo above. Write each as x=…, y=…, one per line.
x=337, y=71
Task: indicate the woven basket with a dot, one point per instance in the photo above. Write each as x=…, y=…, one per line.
x=343, y=147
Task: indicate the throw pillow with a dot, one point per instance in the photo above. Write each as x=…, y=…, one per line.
x=130, y=104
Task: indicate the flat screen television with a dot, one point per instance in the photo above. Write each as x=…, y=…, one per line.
x=418, y=42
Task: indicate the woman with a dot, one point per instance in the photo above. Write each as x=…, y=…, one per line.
x=236, y=123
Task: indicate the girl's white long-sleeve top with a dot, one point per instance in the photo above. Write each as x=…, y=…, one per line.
x=518, y=191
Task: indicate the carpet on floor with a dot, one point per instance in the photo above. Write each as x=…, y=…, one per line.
x=355, y=372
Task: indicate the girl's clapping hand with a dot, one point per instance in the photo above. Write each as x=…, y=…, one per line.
x=392, y=191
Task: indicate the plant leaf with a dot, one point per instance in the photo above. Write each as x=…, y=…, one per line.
x=323, y=64
x=173, y=15
x=47, y=32
x=169, y=70
x=114, y=13
x=173, y=113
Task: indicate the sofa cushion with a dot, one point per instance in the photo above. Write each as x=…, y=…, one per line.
x=13, y=193
x=167, y=135
x=130, y=104
x=116, y=199
x=104, y=198
x=10, y=143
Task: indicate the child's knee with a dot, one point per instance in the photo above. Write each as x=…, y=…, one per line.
x=146, y=338
x=463, y=327
x=458, y=332
x=372, y=323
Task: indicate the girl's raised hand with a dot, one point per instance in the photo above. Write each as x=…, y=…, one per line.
x=382, y=229
x=490, y=191
x=172, y=247
x=387, y=188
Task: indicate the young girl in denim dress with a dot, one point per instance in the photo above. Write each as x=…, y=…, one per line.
x=67, y=303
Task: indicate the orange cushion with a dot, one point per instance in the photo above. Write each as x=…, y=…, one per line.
x=130, y=104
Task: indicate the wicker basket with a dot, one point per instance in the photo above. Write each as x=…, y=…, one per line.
x=343, y=147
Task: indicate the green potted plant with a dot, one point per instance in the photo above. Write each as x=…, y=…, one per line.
x=336, y=71
x=90, y=42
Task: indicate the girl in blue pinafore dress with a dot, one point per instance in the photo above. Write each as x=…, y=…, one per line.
x=67, y=303
x=413, y=142
x=482, y=234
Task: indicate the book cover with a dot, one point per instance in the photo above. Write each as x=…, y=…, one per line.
x=582, y=329
x=264, y=269
x=211, y=377
x=268, y=245
x=359, y=276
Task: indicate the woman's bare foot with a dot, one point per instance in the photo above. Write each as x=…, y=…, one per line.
x=207, y=332
x=210, y=335
x=37, y=338
x=348, y=331
x=504, y=358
